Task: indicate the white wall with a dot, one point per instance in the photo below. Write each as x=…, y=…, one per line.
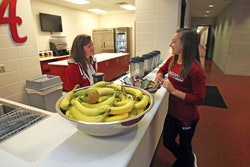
x=120, y=20
x=156, y=22
x=20, y=59
x=74, y=22
x=232, y=42
x=203, y=38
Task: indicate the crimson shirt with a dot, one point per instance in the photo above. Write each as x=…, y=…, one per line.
x=74, y=76
x=194, y=86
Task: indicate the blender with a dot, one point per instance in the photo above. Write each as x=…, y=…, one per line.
x=147, y=63
x=136, y=67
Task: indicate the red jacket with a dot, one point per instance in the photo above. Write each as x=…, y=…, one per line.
x=75, y=76
x=194, y=86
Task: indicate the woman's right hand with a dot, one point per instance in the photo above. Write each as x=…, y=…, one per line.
x=159, y=78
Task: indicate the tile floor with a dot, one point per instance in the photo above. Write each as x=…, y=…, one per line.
x=222, y=137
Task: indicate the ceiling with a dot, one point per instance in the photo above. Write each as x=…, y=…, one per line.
x=198, y=8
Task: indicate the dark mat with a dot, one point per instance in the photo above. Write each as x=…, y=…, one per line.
x=214, y=98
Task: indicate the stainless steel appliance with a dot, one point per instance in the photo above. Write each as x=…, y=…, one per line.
x=58, y=45
x=122, y=39
x=104, y=40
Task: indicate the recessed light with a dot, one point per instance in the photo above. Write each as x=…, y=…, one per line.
x=128, y=7
x=78, y=1
x=98, y=11
x=205, y=15
x=211, y=5
x=207, y=11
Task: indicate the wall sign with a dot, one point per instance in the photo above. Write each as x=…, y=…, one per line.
x=12, y=20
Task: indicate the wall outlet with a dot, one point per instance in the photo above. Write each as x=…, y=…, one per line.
x=2, y=69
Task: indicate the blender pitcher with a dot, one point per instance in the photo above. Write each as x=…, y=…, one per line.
x=136, y=67
x=147, y=63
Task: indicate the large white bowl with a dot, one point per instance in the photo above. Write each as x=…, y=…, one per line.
x=106, y=128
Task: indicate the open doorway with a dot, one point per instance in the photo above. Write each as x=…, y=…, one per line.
x=206, y=40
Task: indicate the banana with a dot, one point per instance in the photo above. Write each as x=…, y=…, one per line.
x=142, y=103
x=103, y=98
x=120, y=103
x=123, y=100
x=82, y=92
x=122, y=109
x=133, y=113
x=116, y=117
x=100, y=84
x=136, y=92
x=109, y=101
x=76, y=114
x=89, y=111
x=67, y=113
x=139, y=111
x=65, y=103
x=123, y=96
x=105, y=91
x=114, y=86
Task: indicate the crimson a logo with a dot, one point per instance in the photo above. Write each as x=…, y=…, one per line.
x=12, y=20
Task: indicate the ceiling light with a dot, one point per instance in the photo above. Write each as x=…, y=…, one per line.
x=205, y=15
x=211, y=5
x=128, y=7
x=98, y=11
x=79, y=1
x=207, y=11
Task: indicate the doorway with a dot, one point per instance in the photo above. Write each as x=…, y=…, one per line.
x=206, y=40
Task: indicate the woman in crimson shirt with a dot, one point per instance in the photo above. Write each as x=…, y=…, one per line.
x=80, y=66
x=185, y=83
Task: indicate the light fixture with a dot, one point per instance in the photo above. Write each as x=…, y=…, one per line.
x=205, y=15
x=98, y=11
x=128, y=7
x=211, y=5
x=78, y=1
x=207, y=11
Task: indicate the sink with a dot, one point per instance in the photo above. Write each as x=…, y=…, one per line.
x=14, y=119
x=5, y=109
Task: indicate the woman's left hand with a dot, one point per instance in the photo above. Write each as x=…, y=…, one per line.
x=168, y=85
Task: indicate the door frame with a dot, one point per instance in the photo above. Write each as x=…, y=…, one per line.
x=209, y=42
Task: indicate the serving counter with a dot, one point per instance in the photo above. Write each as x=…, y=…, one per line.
x=55, y=142
x=44, y=62
x=113, y=65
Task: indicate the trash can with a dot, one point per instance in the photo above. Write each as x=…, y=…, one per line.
x=44, y=91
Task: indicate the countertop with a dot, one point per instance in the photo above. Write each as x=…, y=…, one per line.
x=52, y=57
x=55, y=142
x=99, y=58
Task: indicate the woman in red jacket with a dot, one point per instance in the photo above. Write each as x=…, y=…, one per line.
x=80, y=68
x=185, y=83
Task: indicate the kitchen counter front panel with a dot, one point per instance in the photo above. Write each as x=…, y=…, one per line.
x=113, y=65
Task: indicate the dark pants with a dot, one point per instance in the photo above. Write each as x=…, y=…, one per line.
x=182, y=151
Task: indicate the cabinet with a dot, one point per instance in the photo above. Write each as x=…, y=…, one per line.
x=114, y=68
x=103, y=40
x=113, y=65
x=44, y=63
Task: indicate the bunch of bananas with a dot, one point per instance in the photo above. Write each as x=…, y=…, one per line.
x=112, y=102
